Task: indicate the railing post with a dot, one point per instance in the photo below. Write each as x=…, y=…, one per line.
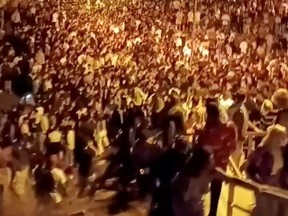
x=251, y=146
x=230, y=200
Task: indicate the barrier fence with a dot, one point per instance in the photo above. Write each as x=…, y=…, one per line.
x=269, y=201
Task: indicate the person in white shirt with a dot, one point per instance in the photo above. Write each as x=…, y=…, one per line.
x=55, y=19
x=179, y=19
x=187, y=52
x=178, y=42
x=16, y=18
x=244, y=47
x=190, y=19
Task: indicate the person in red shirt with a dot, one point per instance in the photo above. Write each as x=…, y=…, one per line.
x=218, y=139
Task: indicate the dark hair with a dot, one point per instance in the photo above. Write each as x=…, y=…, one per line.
x=5, y=142
x=212, y=110
x=44, y=180
x=239, y=96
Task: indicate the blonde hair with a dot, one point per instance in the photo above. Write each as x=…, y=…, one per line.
x=274, y=131
x=266, y=107
x=280, y=98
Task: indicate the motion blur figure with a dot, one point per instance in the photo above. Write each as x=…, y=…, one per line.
x=220, y=148
x=191, y=183
x=163, y=171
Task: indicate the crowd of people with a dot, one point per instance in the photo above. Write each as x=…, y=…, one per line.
x=125, y=81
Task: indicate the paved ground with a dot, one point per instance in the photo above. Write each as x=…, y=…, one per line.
x=97, y=207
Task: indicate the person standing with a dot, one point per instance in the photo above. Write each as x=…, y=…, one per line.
x=70, y=145
x=221, y=148
x=179, y=19
x=190, y=19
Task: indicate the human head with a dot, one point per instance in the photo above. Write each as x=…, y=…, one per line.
x=213, y=113
x=276, y=137
x=266, y=107
x=240, y=98
x=280, y=98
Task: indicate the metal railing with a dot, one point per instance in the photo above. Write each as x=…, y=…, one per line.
x=269, y=201
x=250, y=144
x=276, y=198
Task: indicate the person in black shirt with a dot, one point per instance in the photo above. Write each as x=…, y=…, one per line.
x=163, y=171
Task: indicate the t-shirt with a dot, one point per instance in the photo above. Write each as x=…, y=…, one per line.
x=25, y=129
x=187, y=51
x=55, y=17
x=178, y=42
x=55, y=136
x=71, y=139
x=59, y=176
x=179, y=18
x=225, y=19
x=269, y=39
x=261, y=51
x=277, y=20
x=190, y=16
x=244, y=47
x=198, y=16
x=220, y=141
x=40, y=58
x=44, y=122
